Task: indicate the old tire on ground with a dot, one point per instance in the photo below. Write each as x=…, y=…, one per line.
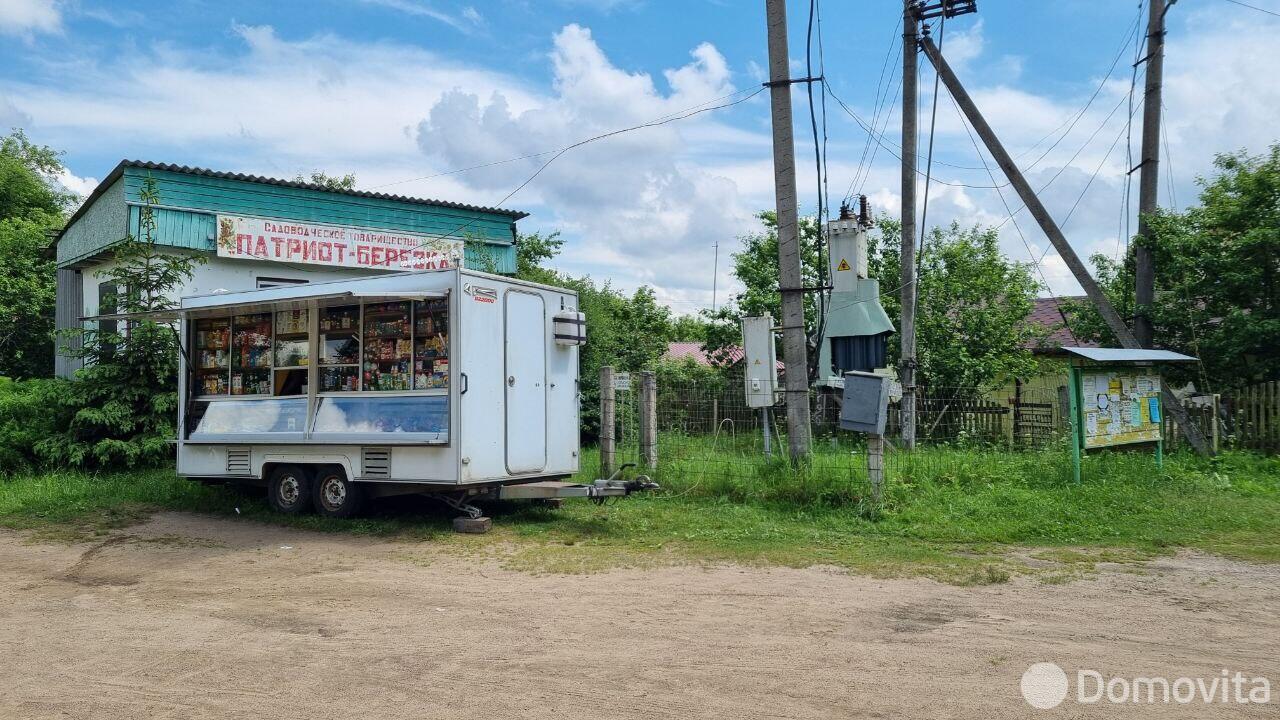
x=289, y=489
x=474, y=526
x=336, y=496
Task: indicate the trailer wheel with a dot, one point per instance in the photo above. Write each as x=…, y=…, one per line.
x=289, y=490
x=335, y=495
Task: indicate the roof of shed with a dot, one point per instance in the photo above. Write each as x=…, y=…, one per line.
x=204, y=172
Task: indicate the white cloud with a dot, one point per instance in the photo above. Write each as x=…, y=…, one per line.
x=640, y=211
x=25, y=17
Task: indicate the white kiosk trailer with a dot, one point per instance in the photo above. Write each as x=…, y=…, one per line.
x=451, y=382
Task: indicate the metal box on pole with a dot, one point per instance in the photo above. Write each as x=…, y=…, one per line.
x=760, y=357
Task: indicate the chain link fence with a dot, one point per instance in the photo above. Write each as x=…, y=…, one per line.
x=709, y=442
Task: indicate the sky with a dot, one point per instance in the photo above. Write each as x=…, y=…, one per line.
x=411, y=95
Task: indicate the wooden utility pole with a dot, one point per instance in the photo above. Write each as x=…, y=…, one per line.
x=907, y=290
x=1171, y=404
x=795, y=352
x=1144, y=277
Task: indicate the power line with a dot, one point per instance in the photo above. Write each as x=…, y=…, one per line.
x=580, y=143
x=655, y=121
x=1254, y=7
x=898, y=156
x=876, y=108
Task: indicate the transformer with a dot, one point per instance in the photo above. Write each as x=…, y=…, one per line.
x=856, y=329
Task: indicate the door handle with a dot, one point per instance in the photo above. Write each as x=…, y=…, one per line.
x=463, y=391
x=511, y=381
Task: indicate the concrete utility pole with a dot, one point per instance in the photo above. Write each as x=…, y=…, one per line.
x=1144, y=280
x=795, y=352
x=1172, y=406
x=907, y=290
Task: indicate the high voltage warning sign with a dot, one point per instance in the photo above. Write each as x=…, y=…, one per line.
x=844, y=265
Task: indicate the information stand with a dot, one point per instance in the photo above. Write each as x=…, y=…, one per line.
x=1115, y=399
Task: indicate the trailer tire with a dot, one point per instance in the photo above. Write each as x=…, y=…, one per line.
x=289, y=490
x=335, y=496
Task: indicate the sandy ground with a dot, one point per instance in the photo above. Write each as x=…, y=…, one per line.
x=194, y=617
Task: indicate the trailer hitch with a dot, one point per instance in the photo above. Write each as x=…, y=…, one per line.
x=616, y=485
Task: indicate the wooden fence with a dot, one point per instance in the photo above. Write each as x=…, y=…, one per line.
x=1251, y=417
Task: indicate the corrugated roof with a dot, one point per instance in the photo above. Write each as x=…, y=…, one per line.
x=728, y=355
x=1099, y=354
x=204, y=172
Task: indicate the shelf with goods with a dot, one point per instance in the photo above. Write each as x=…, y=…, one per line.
x=339, y=349
x=388, y=347
x=431, y=345
x=292, y=353
x=212, y=357
x=251, y=354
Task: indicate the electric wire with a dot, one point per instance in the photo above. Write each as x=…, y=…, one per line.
x=898, y=156
x=653, y=123
x=1254, y=7
x=933, y=123
x=877, y=106
x=1030, y=254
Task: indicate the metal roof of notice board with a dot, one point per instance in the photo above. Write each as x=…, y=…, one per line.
x=1126, y=355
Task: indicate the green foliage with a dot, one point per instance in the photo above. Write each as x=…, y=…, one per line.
x=329, y=182
x=971, y=328
x=31, y=209
x=1217, y=275
x=756, y=266
x=31, y=414
x=28, y=179
x=124, y=402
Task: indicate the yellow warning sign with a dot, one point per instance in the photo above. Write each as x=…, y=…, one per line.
x=844, y=265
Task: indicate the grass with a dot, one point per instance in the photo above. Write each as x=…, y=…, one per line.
x=967, y=517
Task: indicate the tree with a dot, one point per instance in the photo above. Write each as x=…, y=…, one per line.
x=329, y=182
x=1217, y=276
x=971, y=309
x=31, y=210
x=125, y=399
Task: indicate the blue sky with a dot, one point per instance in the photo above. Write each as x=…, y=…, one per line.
x=397, y=91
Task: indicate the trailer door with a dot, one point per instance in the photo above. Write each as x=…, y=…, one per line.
x=526, y=382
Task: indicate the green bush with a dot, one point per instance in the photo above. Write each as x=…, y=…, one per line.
x=31, y=417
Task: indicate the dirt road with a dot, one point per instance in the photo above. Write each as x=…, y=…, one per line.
x=194, y=617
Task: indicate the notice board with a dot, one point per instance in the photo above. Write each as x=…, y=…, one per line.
x=1120, y=407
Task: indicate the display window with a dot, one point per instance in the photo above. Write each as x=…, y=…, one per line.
x=212, y=356
x=431, y=345
x=359, y=352
x=292, y=353
x=251, y=354
x=387, y=347
x=340, y=349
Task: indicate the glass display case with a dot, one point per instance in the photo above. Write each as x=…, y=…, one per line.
x=387, y=347
x=292, y=352
x=340, y=349
x=212, y=356
x=431, y=344
x=251, y=354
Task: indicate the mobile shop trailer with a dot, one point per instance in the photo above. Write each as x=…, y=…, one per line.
x=451, y=382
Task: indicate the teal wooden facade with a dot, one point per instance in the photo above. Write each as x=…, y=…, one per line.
x=191, y=198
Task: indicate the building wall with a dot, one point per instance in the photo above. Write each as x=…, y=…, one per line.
x=101, y=225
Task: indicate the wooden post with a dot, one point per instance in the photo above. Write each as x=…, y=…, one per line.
x=1077, y=429
x=649, y=419
x=608, y=421
x=1213, y=419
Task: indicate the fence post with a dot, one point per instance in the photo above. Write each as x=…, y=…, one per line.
x=608, y=423
x=875, y=467
x=649, y=419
